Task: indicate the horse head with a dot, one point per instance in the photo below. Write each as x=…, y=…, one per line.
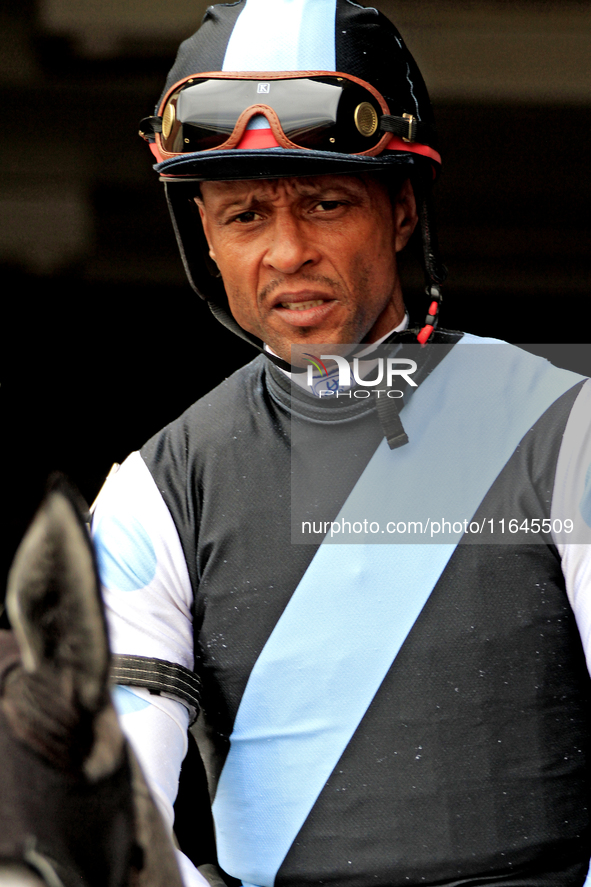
x=74, y=807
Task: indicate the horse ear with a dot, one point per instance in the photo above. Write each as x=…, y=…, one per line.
x=53, y=597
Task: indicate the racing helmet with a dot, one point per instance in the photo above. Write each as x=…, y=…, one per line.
x=276, y=88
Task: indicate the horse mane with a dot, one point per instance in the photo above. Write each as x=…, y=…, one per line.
x=74, y=805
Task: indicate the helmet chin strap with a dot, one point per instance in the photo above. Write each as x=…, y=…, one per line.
x=435, y=270
x=228, y=321
x=224, y=317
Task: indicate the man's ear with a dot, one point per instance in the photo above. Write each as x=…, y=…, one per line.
x=404, y=210
x=204, y=222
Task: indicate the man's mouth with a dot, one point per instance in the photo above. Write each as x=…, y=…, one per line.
x=302, y=306
x=306, y=308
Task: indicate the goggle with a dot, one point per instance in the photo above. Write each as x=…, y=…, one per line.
x=318, y=110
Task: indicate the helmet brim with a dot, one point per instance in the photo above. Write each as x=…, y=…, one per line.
x=269, y=163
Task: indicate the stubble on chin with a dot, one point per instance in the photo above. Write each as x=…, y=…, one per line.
x=353, y=330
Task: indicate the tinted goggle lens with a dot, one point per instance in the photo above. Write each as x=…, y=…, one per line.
x=323, y=113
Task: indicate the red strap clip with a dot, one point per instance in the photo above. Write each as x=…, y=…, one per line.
x=425, y=333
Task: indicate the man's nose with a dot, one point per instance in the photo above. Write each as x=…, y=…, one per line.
x=291, y=245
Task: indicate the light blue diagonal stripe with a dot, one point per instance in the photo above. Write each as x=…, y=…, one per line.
x=356, y=604
x=336, y=644
x=456, y=447
x=283, y=35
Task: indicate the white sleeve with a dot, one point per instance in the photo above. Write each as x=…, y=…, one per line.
x=148, y=601
x=157, y=731
x=147, y=591
x=571, y=501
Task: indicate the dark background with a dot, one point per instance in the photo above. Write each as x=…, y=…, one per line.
x=104, y=341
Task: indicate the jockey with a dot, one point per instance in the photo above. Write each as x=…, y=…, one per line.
x=369, y=599
x=341, y=94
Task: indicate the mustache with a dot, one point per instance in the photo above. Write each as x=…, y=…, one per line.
x=278, y=282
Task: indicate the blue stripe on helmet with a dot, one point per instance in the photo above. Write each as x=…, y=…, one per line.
x=283, y=35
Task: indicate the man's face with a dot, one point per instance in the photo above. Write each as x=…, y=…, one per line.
x=309, y=260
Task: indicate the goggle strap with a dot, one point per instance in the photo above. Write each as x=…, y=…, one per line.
x=149, y=126
x=408, y=128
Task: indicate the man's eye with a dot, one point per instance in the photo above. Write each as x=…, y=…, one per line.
x=245, y=217
x=326, y=206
